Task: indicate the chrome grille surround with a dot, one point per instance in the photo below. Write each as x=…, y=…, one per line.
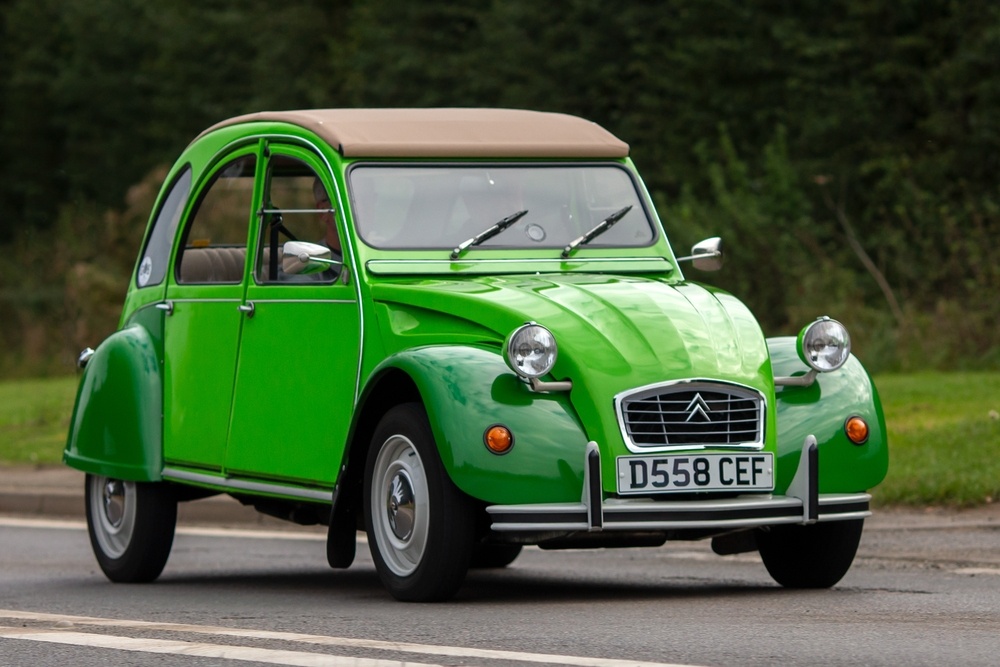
x=691, y=415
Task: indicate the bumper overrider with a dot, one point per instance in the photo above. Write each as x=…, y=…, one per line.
x=802, y=504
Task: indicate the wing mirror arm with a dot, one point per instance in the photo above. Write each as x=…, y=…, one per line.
x=303, y=258
x=326, y=261
x=706, y=255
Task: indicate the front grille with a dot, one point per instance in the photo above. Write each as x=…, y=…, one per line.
x=691, y=414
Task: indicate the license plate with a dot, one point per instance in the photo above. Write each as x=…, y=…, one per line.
x=696, y=472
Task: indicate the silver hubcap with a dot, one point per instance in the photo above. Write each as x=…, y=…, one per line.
x=400, y=509
x=112, y=508
x=114, y=502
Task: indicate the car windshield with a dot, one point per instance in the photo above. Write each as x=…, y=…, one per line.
x=446, y=206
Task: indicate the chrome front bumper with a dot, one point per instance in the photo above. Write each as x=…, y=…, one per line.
x=803, y=504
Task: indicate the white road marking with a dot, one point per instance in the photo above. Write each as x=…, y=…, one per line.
x=973, y=571
x=65, y=621
x=199, y=649
x=15, y=522
x=250, y=533
x=709, y=556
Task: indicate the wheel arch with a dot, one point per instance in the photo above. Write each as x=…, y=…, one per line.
x=389, y=386
x=822, y=409
x=465, y=389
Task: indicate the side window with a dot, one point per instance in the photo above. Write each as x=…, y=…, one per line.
x=296, y=208
x=156, y=254
x=215, y=240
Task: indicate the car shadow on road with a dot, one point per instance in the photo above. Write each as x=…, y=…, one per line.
x=508, y=585
x=525, y=586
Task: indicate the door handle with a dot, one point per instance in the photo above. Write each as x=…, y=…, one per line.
x=167, y=307
x=246, y=308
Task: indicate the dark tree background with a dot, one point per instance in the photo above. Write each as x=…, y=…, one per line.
x=848, y=151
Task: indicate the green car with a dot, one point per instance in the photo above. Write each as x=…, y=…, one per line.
x=461, y=331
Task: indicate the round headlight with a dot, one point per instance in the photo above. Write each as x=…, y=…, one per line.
x=530, y=350
x=825, y=345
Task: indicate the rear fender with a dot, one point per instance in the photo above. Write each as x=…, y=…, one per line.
x=117, y=427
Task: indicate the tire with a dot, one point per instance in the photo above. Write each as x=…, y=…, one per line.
x=131, y=527
x=491, y=556
x=814, y=556
x=420, y=526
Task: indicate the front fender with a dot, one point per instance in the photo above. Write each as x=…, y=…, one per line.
x=821, y=410
x=467, y=389
x=116, y=428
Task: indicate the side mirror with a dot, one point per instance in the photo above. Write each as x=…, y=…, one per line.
x=303, y=258
x=706, y=255
x=84, y=358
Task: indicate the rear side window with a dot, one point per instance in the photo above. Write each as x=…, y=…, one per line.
x=153, y=267
x=215, y=241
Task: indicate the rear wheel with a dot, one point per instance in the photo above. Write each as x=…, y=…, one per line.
x=131, y=527
x=814, y=556
x=420, y=526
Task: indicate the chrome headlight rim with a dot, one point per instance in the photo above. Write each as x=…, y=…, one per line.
x=818, y=338
x=514, y=341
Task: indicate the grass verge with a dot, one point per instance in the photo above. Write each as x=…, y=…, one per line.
x=944, y=439
x=34, y=418
x=944, y=433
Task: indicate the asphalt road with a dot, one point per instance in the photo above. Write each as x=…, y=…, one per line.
x=925, y=590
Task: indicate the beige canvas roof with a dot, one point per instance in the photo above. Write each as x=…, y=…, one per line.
x=447, y=133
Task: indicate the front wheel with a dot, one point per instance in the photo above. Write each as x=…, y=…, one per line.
x=420, y=526
x=131, y=527
x=814, y=556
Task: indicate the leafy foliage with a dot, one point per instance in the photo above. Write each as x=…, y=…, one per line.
x=846, y=151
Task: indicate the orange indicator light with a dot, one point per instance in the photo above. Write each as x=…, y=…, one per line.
x=498, y=439
x=857, y=430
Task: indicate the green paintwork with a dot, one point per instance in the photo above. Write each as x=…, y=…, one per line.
x=821, y=410
x=272, y=397
x=546, y=462
x=297, y=363
x=202, y=341
x=614, y=332
x=115, y=428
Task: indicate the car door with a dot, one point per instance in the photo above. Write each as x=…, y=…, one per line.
x=202, y=327
x=296, y=377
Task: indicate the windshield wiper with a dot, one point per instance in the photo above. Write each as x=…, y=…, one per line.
x=488, y=233
x=600, y=228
